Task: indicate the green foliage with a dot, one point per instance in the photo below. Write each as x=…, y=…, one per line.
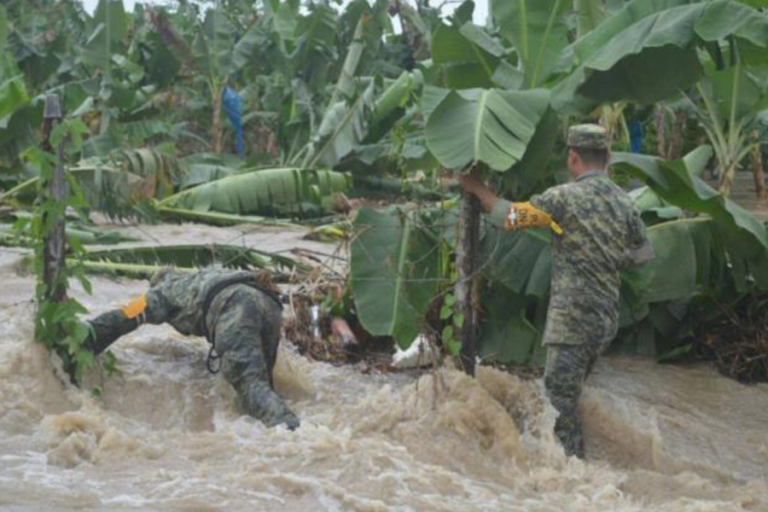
x=393, y=272
x=624, y=57
x=294, y=192
x=489, y=126
x=538, y=31
x=57, y=322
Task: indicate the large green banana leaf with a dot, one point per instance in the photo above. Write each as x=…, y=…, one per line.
x=506, y=335
x=269, y=191
x=489, y=126
x=393, y=269
x=520, y=261
x=472, y=58
x=13, y=95
x=625, y=57
x=4, y=31
x=109, y=29
x=538, y=31
x=678, y=183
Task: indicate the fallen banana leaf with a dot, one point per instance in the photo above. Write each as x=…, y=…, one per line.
x=218, y=219
x=122, y=269
x=197, y=256
x=290, y=191
x=83, y=235
x=18, y=189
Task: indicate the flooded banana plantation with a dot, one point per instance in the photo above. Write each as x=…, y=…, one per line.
x=384, y=255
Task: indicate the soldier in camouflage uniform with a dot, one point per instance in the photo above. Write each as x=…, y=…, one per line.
x=241, y=319
x=597, y=232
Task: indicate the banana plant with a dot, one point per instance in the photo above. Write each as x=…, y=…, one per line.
x=623, y=58
x=730, y=101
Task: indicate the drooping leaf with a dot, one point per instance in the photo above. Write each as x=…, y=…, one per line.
x=678, y=183
x=506, y=336
x=489, y=126
x=13, y=96
x=650, y=38
x=681, y=267
x=3, y=28
x=194, y=256
x=509, y=258
x=470, y=54
x=538, y=31
x=269, y=191
x=393, y=269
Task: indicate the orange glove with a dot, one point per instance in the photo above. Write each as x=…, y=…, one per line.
x=525, y=215
x=135, y=308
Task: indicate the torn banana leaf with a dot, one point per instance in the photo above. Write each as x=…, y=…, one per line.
x=120, y=185
x=218, y=219
x=197, y=256
x=82, y=234
x=291, y=191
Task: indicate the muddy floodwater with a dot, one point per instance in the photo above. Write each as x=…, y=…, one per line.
x=166, y=435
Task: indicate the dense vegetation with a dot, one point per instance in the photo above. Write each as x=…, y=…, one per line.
x=271, y=108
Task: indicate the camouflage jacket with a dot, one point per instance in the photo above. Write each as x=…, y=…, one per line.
x=173, y=297
x=602, y=234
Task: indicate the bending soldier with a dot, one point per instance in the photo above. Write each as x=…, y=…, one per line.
x=597, y=232
x=240, y=319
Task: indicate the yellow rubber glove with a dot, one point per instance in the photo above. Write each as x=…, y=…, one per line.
x=525, y=215
x=135, y=307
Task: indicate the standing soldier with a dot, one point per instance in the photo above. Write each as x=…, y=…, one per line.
x=240, y=318
x=597, y=232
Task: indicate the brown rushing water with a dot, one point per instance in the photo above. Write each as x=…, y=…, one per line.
x=167, y=436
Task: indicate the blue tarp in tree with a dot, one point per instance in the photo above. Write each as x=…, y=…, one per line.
x=233, y=106
x=636, y=135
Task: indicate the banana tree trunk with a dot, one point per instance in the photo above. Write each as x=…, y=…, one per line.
x=466, y=266
x=678, y=135
x=216, y=130
x=726, y=180
x=54, y=264
x=660, y=122
x=759, y=173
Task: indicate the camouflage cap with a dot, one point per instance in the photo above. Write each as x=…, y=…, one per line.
x=587, y=136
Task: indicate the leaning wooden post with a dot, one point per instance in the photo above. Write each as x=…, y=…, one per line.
x=55, y=240
x=466, y=267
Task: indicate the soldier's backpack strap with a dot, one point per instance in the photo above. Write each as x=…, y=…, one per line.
x=210, y=334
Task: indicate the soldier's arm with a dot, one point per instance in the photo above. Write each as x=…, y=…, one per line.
x=110, y=326
x=513, y=216
x=544, y=210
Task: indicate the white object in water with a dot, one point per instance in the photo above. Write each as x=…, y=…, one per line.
x=419, y=354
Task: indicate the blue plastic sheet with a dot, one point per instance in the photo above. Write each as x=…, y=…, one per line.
x=636, y=135
x=233, y=106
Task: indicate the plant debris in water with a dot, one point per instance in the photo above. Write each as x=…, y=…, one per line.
x=739, y=343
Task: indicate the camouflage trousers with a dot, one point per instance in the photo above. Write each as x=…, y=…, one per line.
x=566, y=370
x=247, y=336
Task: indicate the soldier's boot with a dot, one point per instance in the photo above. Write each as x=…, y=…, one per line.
x=246, y=340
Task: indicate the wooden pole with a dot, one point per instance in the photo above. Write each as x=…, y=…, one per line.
x=466, y=266
x=58, y=191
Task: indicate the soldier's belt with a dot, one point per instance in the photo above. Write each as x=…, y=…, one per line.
x=525, y=215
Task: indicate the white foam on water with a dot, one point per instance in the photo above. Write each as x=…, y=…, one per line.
x=166, y=435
